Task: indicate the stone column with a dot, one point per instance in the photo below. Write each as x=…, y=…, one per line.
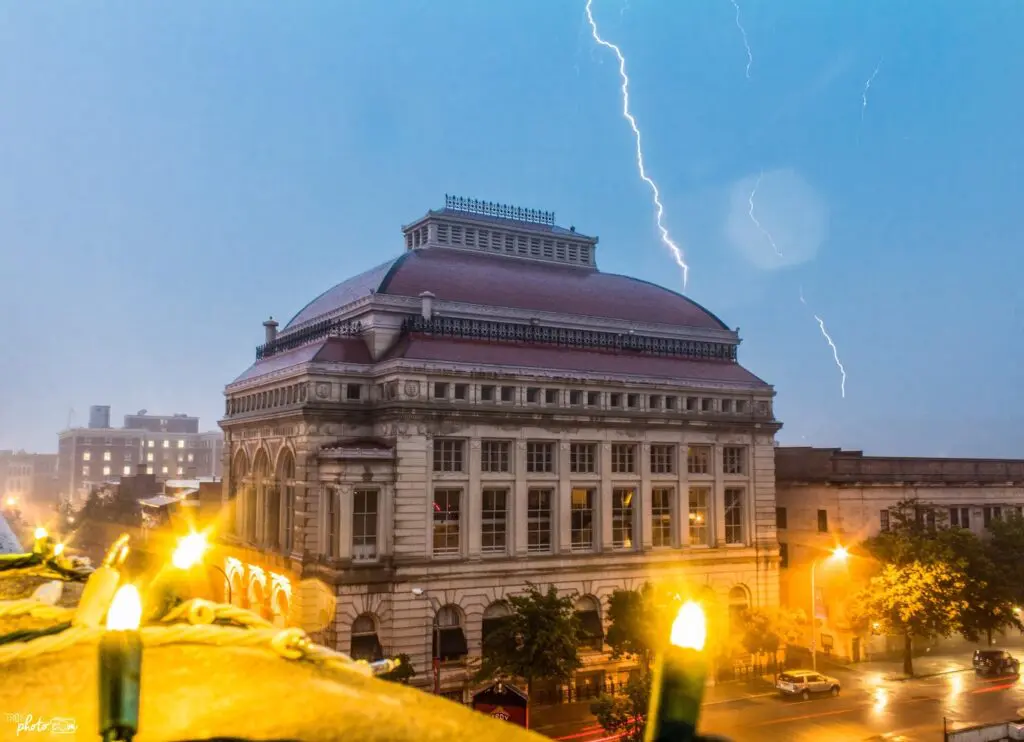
x=520, y=498
x=561, y=502
x=683, y=496
x=718, y=497
x=642, y=499
x=473, y=499
x=428, y=480
x=307, y=502
x=603, y=505
x=343, y=506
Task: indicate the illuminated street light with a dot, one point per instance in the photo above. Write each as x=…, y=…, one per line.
x=12, y=501
x=839, y=554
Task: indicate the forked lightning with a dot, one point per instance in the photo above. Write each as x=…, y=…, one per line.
x=828, y=339
x=666, y=238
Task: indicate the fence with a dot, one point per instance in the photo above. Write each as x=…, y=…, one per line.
x=1006, y=730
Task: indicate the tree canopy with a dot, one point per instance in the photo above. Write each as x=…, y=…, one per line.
x=635, y=625
x=538, y=640
x=934, y=580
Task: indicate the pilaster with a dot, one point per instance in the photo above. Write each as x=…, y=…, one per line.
x=473, y=500
x=603, y=506
x=643, y=497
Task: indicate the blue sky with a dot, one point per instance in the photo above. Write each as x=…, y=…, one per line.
x=168, y=179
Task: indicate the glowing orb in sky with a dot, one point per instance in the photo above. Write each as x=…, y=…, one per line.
x=786, y=225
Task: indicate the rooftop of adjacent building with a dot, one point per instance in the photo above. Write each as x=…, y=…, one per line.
x=488, y=263
x=796, y=465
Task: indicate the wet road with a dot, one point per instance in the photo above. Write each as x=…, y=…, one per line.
x=872, y=709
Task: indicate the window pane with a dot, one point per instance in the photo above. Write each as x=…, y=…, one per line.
x=734, y=515
x=448, y=455
x=622, y=517
x=698, y=515
x=582, y=519
x=538, y=520
x=446, y=521
x=364, y=524
x=661, y=516
x=493, y=521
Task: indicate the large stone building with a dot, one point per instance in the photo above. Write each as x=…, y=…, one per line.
x=28, y=482
x=484, y=410
x=170, y=446
x=828, y=497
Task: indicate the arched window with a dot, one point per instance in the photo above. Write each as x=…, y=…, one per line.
x=239, y=472
x=365, y=642
x=260, y=479
x=588, y=611
x=286, y=486
x=496, y=615
x=449, y=638
x=739, y=603
x=281, y=608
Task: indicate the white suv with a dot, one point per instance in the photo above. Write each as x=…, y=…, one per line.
x=804, y=683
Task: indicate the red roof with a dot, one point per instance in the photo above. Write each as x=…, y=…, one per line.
x=445, y=350
x=333, y=350
x=517, y=283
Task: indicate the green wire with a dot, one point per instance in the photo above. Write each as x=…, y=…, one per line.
x=25, y=635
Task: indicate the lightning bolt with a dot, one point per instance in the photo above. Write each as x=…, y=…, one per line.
x=743, y=33
x=828, y=339
x=753, y=218
x=867, y=87
x=666, y=238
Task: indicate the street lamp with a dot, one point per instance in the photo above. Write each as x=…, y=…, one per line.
x=436, y=651
x=839, y=554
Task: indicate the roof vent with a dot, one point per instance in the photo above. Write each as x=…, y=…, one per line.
x=270, y=330
x=427, y=308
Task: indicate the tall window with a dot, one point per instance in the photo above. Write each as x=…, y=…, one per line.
x=364, y=524
x=883, y=521
x=622, y=517
x=781, y=518
x=783, y=555
x=623, y=458
x=332, y=523
x=663, y=458
x=446, y=521
x=448, y=455
x=540, y=457
x=582, y=519
x=493, y=521
x=494, y=456
x=734, y=515
x=960, y=517
x=583, y=458
x=261, y=480
x=286, y=482
x=734, y=459
x=538, y=520
x=699, y=497
x=661, y=516
x=698, y=459
x=822, y=521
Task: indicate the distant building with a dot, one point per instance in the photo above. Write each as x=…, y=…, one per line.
x=827, y=497
x=169, y=446
x=28, y=481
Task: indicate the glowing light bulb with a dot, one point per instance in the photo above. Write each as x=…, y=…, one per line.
x=58, y=549
x=190, y=550
x=689, y=630
x=40, y=533
x=125, y=612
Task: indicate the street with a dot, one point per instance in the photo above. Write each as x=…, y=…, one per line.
x=869, y=708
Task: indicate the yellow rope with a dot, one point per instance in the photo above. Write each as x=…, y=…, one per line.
x=292, y=643
x=34, y=609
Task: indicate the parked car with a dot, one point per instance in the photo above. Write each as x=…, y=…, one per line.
x=995, y=662
x=805, y=683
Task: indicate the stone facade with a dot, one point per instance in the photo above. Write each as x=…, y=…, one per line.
x=827, y=497
x=398, y=499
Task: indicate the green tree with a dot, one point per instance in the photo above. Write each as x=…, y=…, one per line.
x=403, y=673
x=625, y=714
x=991, y=592
x=635, y=627
x=915, y=600
x=1006, y=550
x=538, y=641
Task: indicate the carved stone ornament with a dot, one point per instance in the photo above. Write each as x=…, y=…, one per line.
x=323, y=390
x=412, y=389
x=474, y=444
x=521, y=445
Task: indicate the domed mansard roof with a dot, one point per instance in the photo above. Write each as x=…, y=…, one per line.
x=477, y=254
